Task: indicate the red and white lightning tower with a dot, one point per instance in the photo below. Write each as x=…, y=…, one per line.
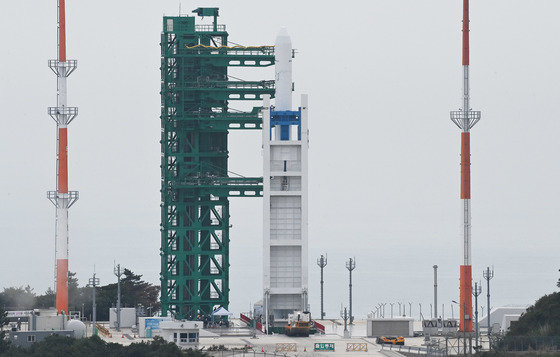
x=465, y=119
x=62, y=198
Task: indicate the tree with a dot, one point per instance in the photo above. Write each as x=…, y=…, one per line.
x=56, y=345
x=541, y=319
x=47, y=300
x=4, y=344
x=134, y=292
x=18, y=298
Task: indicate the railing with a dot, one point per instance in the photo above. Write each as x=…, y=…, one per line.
x=219, y=181
x=246, y=353
x=209, y=28
x=526, y=343
x=319, y=327
x=414, y=349
x=269, y=84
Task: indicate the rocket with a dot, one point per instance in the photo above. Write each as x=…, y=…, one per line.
x=285, y=193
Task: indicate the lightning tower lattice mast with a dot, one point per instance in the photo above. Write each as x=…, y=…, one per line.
x=465, y=119
x=62, y=198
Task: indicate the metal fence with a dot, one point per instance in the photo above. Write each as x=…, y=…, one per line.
x=414, y=350
x=246, y=353
x=527, y=343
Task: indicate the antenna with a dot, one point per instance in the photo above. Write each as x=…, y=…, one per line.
x=93, y=282
x=435, y=290
x=488, y=275
x=322, y=263
x=476, y=291
x=118, y=274
x=351, y=265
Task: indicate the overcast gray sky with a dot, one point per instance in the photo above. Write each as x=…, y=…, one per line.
x=382, y=77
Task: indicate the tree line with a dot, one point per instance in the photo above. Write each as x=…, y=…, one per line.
x=134, y=292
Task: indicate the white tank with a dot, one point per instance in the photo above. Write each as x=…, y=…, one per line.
x=78, y=327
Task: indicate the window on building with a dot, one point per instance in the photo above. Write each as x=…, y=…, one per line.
x=193, y=337
x=184, y=337
x=175, y=337
x=31, y=338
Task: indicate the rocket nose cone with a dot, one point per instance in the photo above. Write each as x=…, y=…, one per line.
x=283, y=37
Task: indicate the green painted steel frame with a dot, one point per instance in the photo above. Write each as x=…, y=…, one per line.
x=195, y=119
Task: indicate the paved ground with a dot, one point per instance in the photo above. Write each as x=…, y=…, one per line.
x=263, y=343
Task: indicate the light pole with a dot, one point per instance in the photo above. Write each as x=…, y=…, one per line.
x=93, y=282
x=351, y=265
x=409, y=309
x=477, y=290
x=435, y=291
x=322, y=263
x=400, y=305
x=344, y=315
x=488, y=275
x=391, y=309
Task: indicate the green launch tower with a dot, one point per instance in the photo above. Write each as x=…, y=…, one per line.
x=195, y=183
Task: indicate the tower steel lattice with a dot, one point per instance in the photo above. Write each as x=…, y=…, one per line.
x=62, y=198
x=195, y=120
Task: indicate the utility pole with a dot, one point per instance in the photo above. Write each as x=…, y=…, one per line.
x=351, y=265
x=435, y=291
x=118, y=274
x=477, y=290
x=488, y=275
x=322, y=263
x=93, y=282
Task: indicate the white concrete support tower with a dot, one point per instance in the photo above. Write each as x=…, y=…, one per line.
x=285, y=144
x=62, y=198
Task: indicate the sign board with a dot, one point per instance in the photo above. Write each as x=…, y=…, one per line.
x=286, y=347
x=356, y=347
x=152, y=324
x=18, y=313
x=324, y=347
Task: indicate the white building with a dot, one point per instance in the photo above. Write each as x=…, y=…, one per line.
x=502, y=317
x=183, y=333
